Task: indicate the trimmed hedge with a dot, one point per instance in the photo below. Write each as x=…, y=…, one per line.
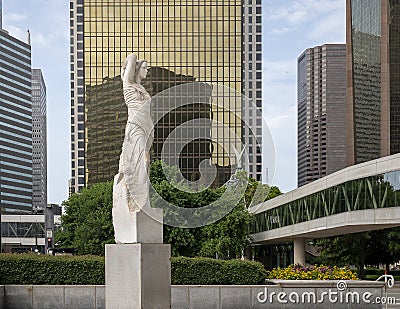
x=89, y=270
x=204, y=271
x=48, y=269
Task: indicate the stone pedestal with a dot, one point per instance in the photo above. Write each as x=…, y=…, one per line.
x=138, y=276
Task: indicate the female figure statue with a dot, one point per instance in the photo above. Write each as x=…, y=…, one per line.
x=131, y=184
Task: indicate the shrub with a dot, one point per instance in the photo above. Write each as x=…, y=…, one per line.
x=48, y=269
x=89, y=270
x=322, y=272
x=204, y=271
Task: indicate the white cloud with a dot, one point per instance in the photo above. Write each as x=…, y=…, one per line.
x=279, y=118
x=17, y=32
x=280, y=30
x=279, y=70
x=301, y=11
x=48, y=25
x=286, y=13
x=297, y=17
x=12, y=17
x=332, y=28
x=38, y=39
x=275, y=122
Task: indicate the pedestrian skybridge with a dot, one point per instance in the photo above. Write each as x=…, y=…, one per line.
x=359, y=198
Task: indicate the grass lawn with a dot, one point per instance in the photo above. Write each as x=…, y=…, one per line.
x=374, y=277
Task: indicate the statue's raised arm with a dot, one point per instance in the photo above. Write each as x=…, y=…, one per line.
x=128, y=68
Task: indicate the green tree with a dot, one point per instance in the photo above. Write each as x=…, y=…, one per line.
x=228, y=237
x=87, y=223
x=257, y=193
x=273, y=192
x=184, y=241
x=385, y=247
x=360, y=249
x=350, y=249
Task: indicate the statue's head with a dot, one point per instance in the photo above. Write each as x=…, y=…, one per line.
x=141, y=69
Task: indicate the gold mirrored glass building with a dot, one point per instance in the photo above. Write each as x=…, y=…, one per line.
x=216, y=42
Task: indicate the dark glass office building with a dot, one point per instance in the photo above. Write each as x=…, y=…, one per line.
x=373, y=79
x=321, y=103
x=39, y=140
x=184, y=41
x=15, y=125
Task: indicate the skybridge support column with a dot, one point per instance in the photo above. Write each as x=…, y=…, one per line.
x=299, y=251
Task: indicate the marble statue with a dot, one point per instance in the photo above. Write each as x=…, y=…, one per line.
x=131, y=184
x=137, y=267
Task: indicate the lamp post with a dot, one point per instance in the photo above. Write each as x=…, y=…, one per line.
x=36, y=236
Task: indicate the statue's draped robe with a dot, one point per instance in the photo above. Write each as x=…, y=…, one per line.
x=131, y=184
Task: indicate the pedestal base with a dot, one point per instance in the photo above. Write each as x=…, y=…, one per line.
x=138, y=276
x=141, y=226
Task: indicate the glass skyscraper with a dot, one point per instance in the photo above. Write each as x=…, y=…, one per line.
x=373, y=84
x=39, y=140
x=184, y=41
x=15, y=125
x=321, y=103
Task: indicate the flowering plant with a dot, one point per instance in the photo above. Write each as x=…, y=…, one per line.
x=316, y=272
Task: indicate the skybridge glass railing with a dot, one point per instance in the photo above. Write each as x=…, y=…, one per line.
x=378, y=191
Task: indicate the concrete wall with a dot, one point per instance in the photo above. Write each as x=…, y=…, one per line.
x=246, y=297
x=53, y=296
x=183, y=297
x=1, y=296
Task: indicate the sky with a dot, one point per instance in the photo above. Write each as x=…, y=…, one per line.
x=289, y=27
